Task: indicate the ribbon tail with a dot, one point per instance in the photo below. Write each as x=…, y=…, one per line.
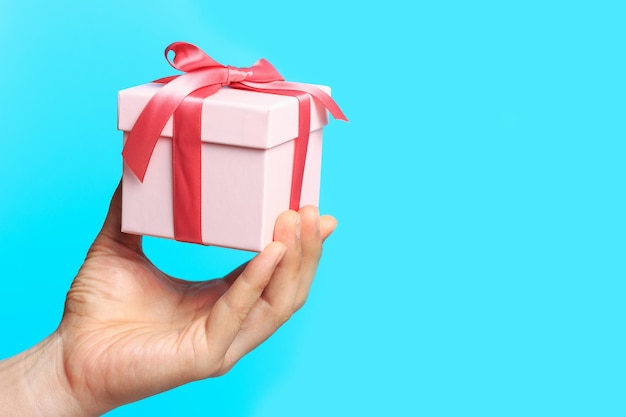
x=145, y=133
x=143, y=138
x=314, y=91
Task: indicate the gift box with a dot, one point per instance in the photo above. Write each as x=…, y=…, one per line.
x=243, y=164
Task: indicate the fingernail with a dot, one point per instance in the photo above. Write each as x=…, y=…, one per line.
x=280, y=256
x=298, y=228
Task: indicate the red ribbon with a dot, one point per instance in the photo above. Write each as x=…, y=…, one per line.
x=182, y=97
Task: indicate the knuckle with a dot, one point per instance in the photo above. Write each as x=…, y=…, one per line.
x=257, y=285
x=300, y=302
x=278, y=312
x=221, y=371
x=283, y=314
x=237, y=312
x=227, y=363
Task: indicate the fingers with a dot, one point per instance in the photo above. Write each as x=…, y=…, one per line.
x=276, y=304
x=280, y=293
x=265, y=292
x=303, y=234
x=112, y=229
x=328, y=224
x=229, y=312
x=313, y=235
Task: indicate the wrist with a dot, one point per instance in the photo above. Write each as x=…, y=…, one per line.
x=34, y=383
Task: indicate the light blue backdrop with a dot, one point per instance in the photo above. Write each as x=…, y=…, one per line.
x=479, y=265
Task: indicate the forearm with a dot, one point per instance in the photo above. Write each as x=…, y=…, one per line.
x=33, y=383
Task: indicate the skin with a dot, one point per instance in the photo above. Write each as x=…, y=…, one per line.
x=130, y=331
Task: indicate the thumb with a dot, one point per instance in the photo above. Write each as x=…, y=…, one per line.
x=111, y=234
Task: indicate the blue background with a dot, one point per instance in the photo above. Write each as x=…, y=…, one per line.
x=479, y=265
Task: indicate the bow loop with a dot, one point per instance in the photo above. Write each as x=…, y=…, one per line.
x=264, y=72
x=188, y=57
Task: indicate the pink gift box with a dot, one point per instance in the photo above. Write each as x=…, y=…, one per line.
x=247, y=163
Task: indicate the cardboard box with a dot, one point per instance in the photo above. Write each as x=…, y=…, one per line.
x=247, y=161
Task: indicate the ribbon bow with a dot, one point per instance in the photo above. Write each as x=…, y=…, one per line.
x=181, y=96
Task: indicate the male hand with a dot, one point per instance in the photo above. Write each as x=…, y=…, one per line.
x=130, y=331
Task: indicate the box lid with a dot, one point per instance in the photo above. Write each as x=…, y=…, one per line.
x=231, y=116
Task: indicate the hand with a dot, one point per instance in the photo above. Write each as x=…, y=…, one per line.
x=130, y=331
